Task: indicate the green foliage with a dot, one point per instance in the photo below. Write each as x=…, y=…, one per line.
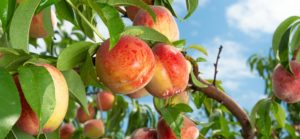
x=9, y=99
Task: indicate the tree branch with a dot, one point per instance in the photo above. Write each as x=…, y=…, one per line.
x=212, y=92
x=216, y=65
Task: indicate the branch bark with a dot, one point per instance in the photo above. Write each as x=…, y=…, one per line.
x=213, y=92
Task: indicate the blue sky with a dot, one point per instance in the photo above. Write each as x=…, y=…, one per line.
x=243, y=27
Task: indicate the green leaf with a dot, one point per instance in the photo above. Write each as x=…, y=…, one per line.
x=196, y=81
x=290, y=129
x=88, y=73
x=73, y=55
x=17, y=133
x=283, y=51
x=295, y=37
x=198, y=48
x=136, y=3
x=146, y=33
x=64, y=11
x=279, y=114
x=191, y=7
x=20, y=24
x=77, y=88
x=281, y=30
x=45, y=4
x=7, y=8
x=38, y=88
x=9, y=102
x=198, y=98
x=201, y=59
x=179, y=43
x=264, y=122
x=47, y=18
x=111, y=18
x=255, y=109
x=72, y=110
x=11, y=59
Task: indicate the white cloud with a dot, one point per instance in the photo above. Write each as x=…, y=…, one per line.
x=232, y=64
x=260, y=16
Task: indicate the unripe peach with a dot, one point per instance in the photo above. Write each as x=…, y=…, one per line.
x=171, y=72
x=94, y=128
x=138, y=94
x=188, y=130
x=126, y=68
x=105, y=100
x=66, y=131
x=28, y=121
x=164, y=24
x=144, y=133
x=131, y=11
x=82, y=116
x=286, y=86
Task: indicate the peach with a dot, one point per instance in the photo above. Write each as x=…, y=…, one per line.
x=188, y=131
x=28, y=121
x=171, y=73
x=131, y=11
x=286, y=86
x=126, y=68
x=94, y=128
x=105, y=100
x=138, y=94
x=82, y=116
x=144, y=133
x=66, y=131
x=164, y=24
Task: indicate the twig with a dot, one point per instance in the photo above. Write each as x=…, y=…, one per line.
x=216, y=65
x=212, y=92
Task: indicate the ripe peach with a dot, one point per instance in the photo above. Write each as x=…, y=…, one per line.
x=188, y=131
x=164, y=24
x=66, y=131
x=28, y=121
x=131, y=11
x=171, y=73
x=144, y=133
x=285, y=86
x=82, y=116
x=94, y=128
x=105, y=100
x=138, y=94
x=126, y=68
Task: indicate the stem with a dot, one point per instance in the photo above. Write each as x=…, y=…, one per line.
x=85, y=20
x=216, y=65
x=212, y=92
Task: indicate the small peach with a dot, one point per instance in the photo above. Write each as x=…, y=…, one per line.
x=82, y=116
x=144, y=133
x=131, y=11
x=94, y=128
x=105, y=100
x=66, y=131
x=138, y=94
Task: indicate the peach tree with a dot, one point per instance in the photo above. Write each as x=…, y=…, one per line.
x=60, y=77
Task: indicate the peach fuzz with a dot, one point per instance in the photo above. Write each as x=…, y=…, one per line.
x=188, y=130
x=126, y=68
x=105, y=100
x=165, y=23
x=28, y=121
x=82, y=116
x=171, y=73
x=144, y=133
x=94, y=128
x=131, y=11
x=66, y=131
x=286, y=86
